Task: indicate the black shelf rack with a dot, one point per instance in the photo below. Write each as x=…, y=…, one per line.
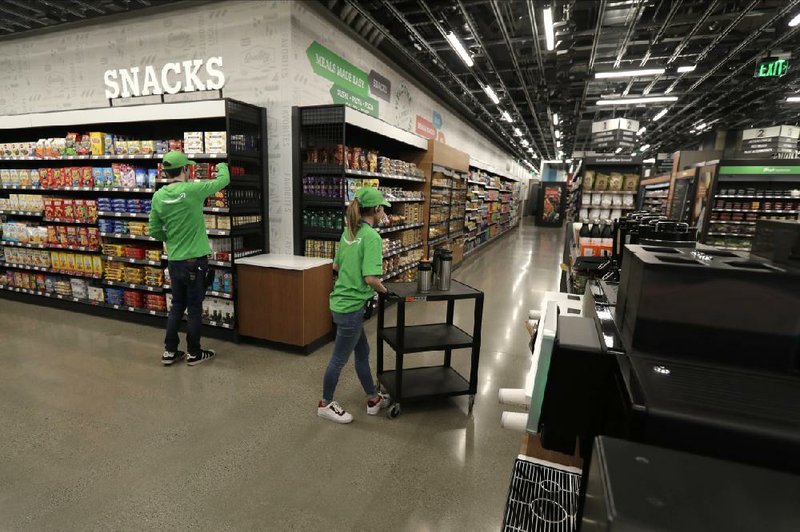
x=323, y=182
x=411, y=384
x=247, y=195
x=479, y=215
x=745, y=191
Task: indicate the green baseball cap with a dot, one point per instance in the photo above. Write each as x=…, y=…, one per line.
x=371, y=197
x=176, y=159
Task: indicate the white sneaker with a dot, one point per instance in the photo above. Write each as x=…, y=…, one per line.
x=334, y=412
x=375, y=409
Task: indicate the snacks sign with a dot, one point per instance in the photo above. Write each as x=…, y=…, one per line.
x=185, y=76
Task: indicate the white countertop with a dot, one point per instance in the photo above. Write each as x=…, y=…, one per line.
x=283, y=262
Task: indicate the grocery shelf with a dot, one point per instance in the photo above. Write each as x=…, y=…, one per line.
x=395, y=177
x=437, y=240
x=211, y=293
x=756, y=196
x=392, y=229
x=49, y=246
x=316, y=201
x=115, y=214
x=143, y=287
x=217, y=324
x=731, y=234
x=137, y=190
x=22, y=213
x=322, y=234
x=398, y=271
x=127, y=236
x=68, y=221
x=758, y=211
x=730, y=222
x=473, y=182
x=402, y=250
x=83, y=301
x=47, y=270
x=129, y=260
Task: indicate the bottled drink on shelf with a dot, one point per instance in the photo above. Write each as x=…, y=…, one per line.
x=606, y=235
x=583, y=234
x=594, y=234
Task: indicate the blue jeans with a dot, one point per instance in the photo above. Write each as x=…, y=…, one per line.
x=349, y=336
x=188, y=281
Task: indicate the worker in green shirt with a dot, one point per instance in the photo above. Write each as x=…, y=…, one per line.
x=359, y=263
x=176, y=217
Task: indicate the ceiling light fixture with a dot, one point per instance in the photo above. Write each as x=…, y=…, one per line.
x=558, y=134
x=641, y=131
x=795, y=21
x=459, y=48
x=491, y=94
x=507, y=117
x=651, y=160
x=635, y=101
x=629, y=73
x=644, y=147
x=660, y=115
x=558, y=144
x=689, y=68
x=555, y=119
x=517, y=132
x=702, y=126
x=524, y=142
x=669, y=89
x=618, y=150
x=793, y=98
x=549, y=30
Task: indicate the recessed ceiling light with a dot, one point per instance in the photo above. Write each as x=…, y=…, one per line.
x=689, y=68
x=507, y=117
x=517, y=132
x=795, y=21
x=660, y=115
x=555, y=119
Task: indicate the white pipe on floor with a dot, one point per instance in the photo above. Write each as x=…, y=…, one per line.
x=515, y=421
x=513, y=397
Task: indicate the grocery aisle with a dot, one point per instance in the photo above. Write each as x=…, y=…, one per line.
x=96, y=434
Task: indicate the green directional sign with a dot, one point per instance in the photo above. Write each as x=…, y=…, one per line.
x=342, y=73
x=364, y=104
x=759, y=170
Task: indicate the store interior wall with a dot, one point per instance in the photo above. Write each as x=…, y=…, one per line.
x=263, y=46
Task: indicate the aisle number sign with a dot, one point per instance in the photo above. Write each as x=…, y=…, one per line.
x=772, y=68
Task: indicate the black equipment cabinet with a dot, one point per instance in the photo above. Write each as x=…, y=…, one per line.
x=632, y=486
x=432, y=381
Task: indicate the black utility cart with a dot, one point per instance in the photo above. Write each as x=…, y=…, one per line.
x=433, y=381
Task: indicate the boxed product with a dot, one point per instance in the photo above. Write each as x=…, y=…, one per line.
x=193, y=142
x=108, y=144
x=95, y=293
x=216, y=141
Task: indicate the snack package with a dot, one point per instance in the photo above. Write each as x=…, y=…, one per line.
x=215, y=141
x=108, y=144
x=601, y=182
x=74, y=176
x=630, y=182
x=615, y=181
x=97, y=140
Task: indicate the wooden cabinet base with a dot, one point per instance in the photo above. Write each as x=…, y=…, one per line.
x=288, y=307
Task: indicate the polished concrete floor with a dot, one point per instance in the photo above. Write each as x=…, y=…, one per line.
x=97, y=435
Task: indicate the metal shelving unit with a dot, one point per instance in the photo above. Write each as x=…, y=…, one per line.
x=325, y=182
x=405, y=384
x=246, y=195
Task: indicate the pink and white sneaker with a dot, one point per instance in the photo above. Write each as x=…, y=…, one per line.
x=334, y=412
x=379, y=403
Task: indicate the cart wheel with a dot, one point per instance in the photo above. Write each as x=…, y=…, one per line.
x=394, y=410
x=471, y=403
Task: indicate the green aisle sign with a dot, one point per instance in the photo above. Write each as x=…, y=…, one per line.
x=759, y=170
x=365, y=104
x=332, y=67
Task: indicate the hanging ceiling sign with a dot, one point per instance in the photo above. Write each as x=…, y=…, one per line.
x=772, y=67
x=614, y=133
x=184, y=76
x=791, y=132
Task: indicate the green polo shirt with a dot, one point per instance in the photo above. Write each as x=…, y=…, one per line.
x=357, y=258
x=176, y=215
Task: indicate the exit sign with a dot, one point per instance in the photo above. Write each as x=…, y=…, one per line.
x=772, y=68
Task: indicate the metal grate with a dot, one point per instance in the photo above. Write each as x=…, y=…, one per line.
x=542, y=498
